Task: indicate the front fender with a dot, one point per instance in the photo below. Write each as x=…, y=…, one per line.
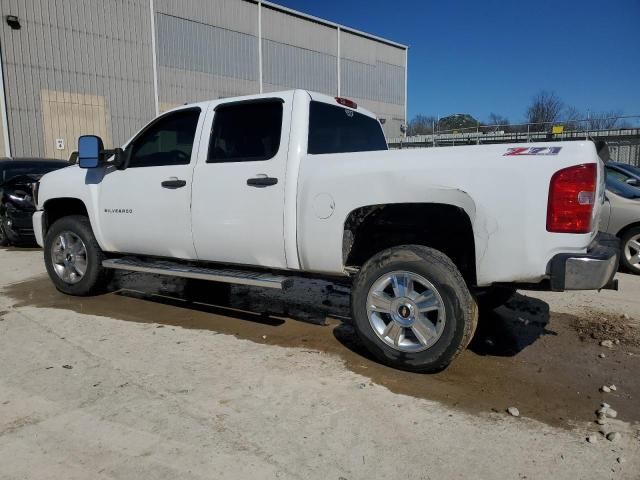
x=74, y=184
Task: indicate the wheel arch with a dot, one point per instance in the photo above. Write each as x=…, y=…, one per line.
x=628, y=264
x=445, y=227
x=626, y=228
x=56, y=208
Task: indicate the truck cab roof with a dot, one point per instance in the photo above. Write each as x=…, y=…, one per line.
x=314, y=96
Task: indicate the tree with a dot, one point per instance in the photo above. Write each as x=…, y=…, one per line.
x=576, y=120
x=421, y=125
x=457, y=122
x=498, y=122
x=545, y=107
x=573, y=118
x=606, y=120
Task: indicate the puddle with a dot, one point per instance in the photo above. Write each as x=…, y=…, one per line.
x=521, y=356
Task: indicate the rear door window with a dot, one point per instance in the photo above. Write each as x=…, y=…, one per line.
x=334, y=129
x=246, y=132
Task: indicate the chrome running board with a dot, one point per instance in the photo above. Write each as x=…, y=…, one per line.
x=177, y=269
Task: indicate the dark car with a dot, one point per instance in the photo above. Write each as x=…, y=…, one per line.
x=17, y=178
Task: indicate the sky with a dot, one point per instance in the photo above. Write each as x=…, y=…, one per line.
x=487, y=56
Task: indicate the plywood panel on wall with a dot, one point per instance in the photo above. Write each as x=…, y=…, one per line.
x=67, y=115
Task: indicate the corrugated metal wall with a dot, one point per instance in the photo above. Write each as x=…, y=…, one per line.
x=380, y=82
x=286, y=66
x=205, y=50
x=68, y=52
x=373, y=73
x=297, y=53
x=86, y=66
x=2, y=144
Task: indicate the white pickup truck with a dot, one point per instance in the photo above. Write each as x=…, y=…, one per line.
x=255, y=190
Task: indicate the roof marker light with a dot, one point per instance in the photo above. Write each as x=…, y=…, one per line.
x=345, y=102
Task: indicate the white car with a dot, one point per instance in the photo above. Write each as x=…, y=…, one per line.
x=621, y=217
x=255, y=189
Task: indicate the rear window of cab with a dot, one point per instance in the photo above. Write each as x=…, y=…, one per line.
x=334, y=129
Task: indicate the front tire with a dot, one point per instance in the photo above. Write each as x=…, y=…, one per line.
x=73, y=257
x=412, y=309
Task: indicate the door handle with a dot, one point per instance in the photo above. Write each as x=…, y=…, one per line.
x=262, y=182
x=173, y=183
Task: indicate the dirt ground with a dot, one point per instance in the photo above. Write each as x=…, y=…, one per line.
x=146, y=383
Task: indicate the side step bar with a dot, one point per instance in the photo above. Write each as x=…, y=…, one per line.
x=177, y=269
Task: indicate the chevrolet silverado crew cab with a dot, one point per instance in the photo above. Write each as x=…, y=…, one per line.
x=255, y=190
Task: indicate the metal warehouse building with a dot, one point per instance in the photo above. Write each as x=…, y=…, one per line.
x=71, y=67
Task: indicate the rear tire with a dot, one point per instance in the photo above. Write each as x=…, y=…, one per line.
x=73, y=257
x=421, y=292
x=630, y=258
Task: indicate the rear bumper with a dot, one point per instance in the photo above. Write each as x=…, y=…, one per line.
x=38, y=227
x=592, y=270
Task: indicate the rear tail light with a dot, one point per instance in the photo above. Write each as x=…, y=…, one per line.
x=572, y=194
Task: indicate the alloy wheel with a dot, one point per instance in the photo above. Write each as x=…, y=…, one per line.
x=632, y=252
x=406, y=311
x=69, y=257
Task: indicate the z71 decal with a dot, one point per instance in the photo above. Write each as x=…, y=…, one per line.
x=511, y=152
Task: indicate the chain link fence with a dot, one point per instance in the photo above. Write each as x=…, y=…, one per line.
x=621, y=133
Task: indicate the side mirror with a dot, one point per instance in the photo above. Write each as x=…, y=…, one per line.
x=90, y=149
